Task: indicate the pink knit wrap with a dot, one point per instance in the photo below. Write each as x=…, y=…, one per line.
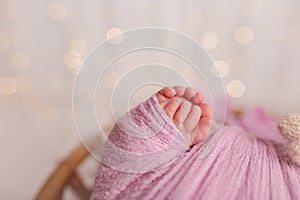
x=243, y=163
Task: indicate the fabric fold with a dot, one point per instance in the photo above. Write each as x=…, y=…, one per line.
x=239, y=165
x=143, y=140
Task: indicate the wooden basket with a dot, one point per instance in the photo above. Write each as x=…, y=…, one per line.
x=65, y=175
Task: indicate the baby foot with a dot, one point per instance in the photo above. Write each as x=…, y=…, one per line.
x=185, y=107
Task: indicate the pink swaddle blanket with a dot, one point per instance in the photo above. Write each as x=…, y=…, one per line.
x=147, y=158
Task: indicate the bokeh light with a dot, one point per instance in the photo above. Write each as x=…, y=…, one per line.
x=244, y=35
x=236, y=88
x=209, y=40
x=220, y=69
x=72, y=59
x=78, y=45
x=8, y=85
x=56, y=10
x=114, y=35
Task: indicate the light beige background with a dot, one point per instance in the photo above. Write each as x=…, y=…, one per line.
x=254, y=43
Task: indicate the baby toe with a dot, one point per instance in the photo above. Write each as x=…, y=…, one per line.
x=192, y=119
x=181, y=114
x=162, y=99
x=198, y=135
x=168, y=92
x=204, y=124
x=171, y=107
x=197, y=98
x=189, y=93
x=206, y=110
x=179, y=90
x=202, y=129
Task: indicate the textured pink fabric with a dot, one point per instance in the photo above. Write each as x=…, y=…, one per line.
x=243, y=164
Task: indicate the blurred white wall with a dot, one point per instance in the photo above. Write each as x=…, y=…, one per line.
x=254, y=43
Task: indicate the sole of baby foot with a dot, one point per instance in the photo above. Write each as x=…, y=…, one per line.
x=185, y=107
